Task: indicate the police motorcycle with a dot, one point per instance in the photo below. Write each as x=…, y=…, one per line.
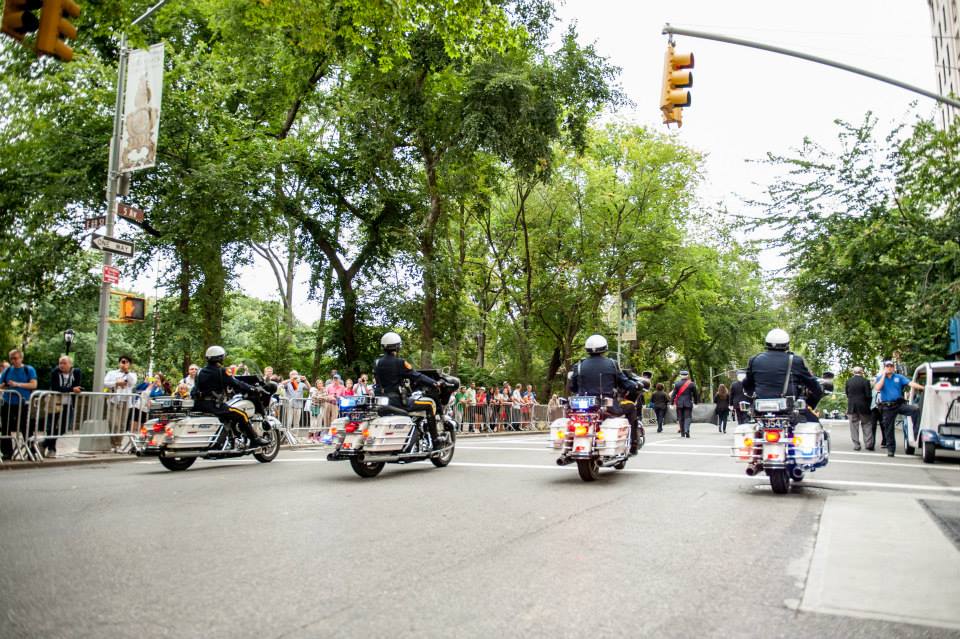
x=178, y=435
x=778, y=443
x=370, y=433
x=589, y=436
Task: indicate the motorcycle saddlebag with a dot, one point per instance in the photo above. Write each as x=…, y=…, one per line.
x=388, y=434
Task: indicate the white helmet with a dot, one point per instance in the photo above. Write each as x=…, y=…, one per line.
x=215, y=354
x=596, y=344
x=391, y=341
x=777, y=340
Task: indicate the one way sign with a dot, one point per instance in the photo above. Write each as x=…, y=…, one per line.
x=112, y=245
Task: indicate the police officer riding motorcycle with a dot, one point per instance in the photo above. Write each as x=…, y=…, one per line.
x=392, y=372
x=210, y=392
x=594, y=431
x=786, y=439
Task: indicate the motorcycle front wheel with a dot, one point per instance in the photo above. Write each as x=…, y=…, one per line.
x=269, y=453
x=177, y=463
x=366, y=469
x=589, y=469
x=443, y=460
x=779, y=481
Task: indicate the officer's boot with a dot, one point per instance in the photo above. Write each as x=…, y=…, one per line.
x=432, y=429
x=255, y=442
x=633, y=439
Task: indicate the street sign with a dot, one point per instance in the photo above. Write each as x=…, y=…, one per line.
x=111, y=275
x=111, y=245
x=91, y=223
x=130, y=212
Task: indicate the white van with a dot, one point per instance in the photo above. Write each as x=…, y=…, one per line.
x=938, y=425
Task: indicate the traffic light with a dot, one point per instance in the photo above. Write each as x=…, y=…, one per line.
x=132, y=308
x=672, y=96
x=55, y=28
x=18, y=20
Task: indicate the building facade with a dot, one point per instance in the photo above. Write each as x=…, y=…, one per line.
x=945, y=17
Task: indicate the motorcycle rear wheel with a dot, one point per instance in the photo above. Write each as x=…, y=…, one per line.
x=445, y=459
x=269, y=453
x=780, y=481
x=366, y=469
x=589, y=469
x=177, y=463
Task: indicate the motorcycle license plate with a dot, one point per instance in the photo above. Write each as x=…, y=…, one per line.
x=774, y=452
x=351, y=442
x=582, y=444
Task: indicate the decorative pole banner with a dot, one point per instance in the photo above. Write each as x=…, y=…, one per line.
x=141, y=112
x=628, y=321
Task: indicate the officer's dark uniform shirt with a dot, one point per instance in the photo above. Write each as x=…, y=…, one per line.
x=767, y=371
x=598, y=375
x=213, y=382
x=390, y=371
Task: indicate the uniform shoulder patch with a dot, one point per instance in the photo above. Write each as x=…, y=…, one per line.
x=407, y=365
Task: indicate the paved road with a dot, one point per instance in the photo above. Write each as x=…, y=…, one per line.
x=501, y=543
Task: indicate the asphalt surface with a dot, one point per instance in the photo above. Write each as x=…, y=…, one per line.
x=501, y=543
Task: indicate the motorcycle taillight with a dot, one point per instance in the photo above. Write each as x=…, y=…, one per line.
x=772, y=436
x=351, y=427
x=159, y=426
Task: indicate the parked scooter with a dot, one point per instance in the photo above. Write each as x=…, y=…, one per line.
x=778, y=443
x=590, y=436
x=178, y=436
x=372, y=434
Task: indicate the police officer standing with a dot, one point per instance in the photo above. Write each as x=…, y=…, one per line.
x=391, y=370
x=600, y=376
x=767, y=374
x=890, y=385
x=210, y=391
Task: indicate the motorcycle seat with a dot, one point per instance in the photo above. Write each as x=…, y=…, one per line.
x=384, y=411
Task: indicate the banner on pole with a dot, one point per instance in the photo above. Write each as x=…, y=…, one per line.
x=628, y=321
x=141, y=112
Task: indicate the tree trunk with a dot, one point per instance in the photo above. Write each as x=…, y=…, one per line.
x=211, y=297
x=428, y=253
x=322, y=324
x=183, y=307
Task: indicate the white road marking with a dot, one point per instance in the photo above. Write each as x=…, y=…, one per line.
x=643, y=451
x=649, y=471
x=694, y=473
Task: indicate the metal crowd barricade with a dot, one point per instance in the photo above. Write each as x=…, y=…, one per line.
x=303, y=422
x=101, y=421
x=14, y=425
x=487, y=418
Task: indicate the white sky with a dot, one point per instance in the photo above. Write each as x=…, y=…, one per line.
x=746, y=102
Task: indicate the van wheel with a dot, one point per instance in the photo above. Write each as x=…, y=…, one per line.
x=929, y=452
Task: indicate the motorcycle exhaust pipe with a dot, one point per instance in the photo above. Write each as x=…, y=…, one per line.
x=564, y=461
x=752, y=470
x=796, y=473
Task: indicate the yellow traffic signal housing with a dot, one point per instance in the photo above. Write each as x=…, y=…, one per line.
x=18, y=20
x=55, y=28
x=673, y=96
x=133, y=309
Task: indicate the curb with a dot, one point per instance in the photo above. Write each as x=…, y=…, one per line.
x=58, y=463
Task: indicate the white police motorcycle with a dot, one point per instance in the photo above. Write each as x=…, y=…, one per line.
x=370, y=433
x=778, y=443
x=590, y=436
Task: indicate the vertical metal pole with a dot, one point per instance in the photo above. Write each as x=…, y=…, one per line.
x=711, y=383
x=103, y=324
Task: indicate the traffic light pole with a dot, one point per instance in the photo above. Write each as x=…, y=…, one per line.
x=670, y=30
x=113, y=179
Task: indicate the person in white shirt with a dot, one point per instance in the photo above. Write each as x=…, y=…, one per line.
x=191, y=377
x=121, y=382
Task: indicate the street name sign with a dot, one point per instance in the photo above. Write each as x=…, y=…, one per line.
x=91, y=223
x=130, y=212
x=111, y=245
x=111, y=275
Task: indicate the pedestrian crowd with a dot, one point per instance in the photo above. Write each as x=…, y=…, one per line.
x=497, y=408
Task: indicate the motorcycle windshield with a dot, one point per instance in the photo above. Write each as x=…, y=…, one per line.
x=246, y=371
